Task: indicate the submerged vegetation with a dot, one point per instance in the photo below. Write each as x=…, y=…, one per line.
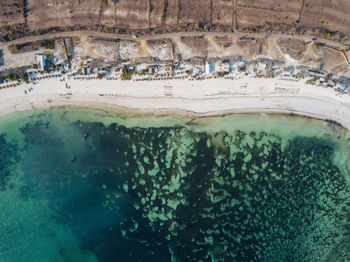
x=8, y=156
x=157, y=194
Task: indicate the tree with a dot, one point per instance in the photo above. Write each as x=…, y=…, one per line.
x=326, y=35
x=196, y=27
x=15, y=47
x=126, y=76
x=99, y=76
x=51, y=44
x=12, y=77
x=24, y=77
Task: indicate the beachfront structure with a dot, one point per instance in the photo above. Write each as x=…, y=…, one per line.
x=169, y=70
x=226, y=67
x=209, y=67
x=140, y=68
x=195, y=71
x=87, y=70
x=316, y=72
x=341, y=86
x=219, y=67
x=42, y=60
x=261, y=70
x=288, y=71
x=151, y=70
x=240, y=66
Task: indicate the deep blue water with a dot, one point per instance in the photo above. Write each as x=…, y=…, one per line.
x=78, y=190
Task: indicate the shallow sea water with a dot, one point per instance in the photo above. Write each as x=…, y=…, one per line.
x=89, y=185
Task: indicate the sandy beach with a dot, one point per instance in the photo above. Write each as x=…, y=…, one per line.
x=200, y=98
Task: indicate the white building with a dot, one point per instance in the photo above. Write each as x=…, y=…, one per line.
x=42, y=60
x=261, y=69
x=140, y=67
x=262, y=66
x=209, y=68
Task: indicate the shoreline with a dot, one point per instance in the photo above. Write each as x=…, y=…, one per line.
x=189, y=99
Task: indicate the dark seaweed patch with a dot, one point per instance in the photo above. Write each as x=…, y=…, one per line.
x=153, y=194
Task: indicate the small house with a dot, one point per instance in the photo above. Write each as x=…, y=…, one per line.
x=241, y=66
x=209, y=67
x=341, y=86
x=151, y=70
x=288, y=71
x=226, y=67
x=169, y=69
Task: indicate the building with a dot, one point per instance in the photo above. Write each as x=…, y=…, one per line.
x=42, y=60
x=261, y=68
x=209, y=68
x=317, y=72
x=241, y=66
x=151, y=70
x=141, y=68
x=341, y=86
x=226, y=67
x=219, y=67
x=195, y=71
x=169, y=70
x=288, y=71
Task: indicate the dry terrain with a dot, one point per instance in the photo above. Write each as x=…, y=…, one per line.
x=303, y=16
x=11, y=12
x=259, y=13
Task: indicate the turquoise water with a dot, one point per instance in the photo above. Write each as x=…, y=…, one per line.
x=88, y=185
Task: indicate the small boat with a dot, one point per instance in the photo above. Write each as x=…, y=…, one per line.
x=86, y=136
x=73, y=159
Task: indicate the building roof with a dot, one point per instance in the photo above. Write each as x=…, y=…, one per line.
x=342, y=86
x=209, y=67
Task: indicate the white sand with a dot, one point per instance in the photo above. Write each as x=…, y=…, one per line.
x=204, y=98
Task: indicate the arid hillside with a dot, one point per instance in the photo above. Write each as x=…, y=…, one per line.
x=317, y=17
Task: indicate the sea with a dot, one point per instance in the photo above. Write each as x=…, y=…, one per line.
x=93, y=185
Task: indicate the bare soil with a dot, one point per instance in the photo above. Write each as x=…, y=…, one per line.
x=285, y=16
x=11, y=12
x=294, y=48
